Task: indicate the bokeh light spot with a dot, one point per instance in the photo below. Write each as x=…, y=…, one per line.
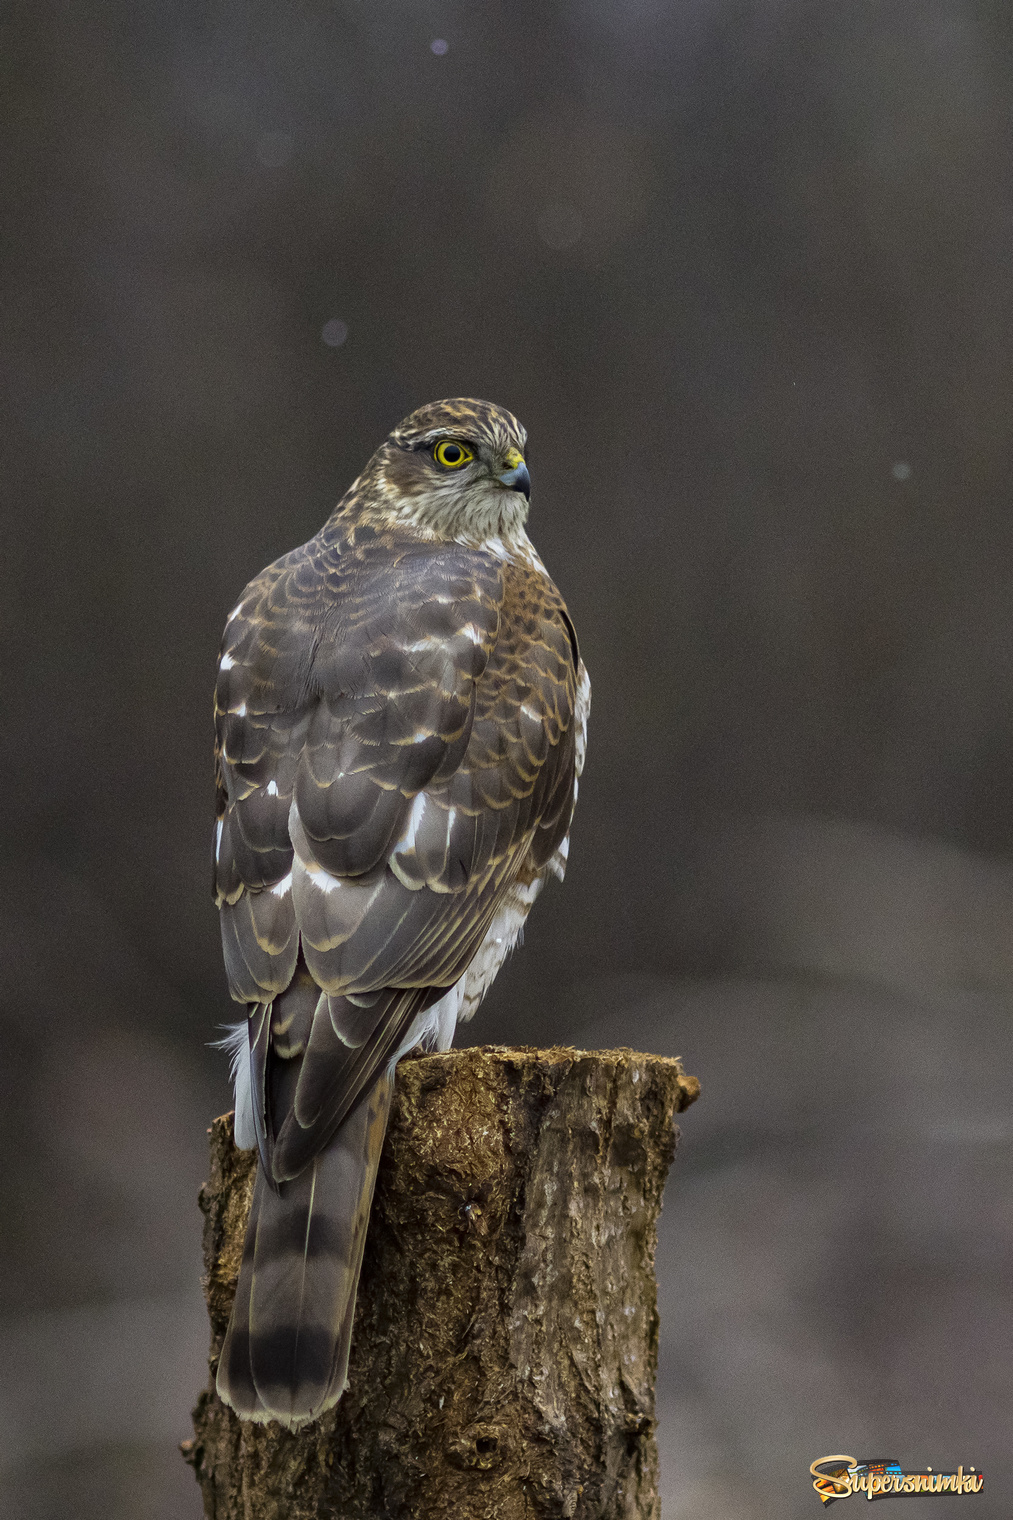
x=439, y=47
x=334, y=332
x=901, y=470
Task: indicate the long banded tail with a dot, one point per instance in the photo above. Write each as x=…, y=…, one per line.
x=285, y=1355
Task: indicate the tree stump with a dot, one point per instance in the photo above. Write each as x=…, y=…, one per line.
x=506, y=1332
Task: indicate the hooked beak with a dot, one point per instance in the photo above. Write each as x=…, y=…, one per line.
x=515, y=477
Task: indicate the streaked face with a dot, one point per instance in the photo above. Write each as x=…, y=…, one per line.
x=456, y=468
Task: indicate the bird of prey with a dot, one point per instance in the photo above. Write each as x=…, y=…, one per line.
x=400, y=716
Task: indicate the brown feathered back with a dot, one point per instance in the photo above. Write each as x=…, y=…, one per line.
x=397, y=739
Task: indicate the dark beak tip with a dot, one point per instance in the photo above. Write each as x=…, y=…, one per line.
x=518, y=479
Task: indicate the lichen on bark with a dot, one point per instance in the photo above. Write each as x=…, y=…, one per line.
x=505, y=1345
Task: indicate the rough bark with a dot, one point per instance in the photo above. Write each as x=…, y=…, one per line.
x=506, y=1333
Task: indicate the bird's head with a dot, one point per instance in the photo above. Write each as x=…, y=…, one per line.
x=455, y=470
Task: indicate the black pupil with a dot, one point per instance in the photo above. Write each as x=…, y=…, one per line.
x=451, y=453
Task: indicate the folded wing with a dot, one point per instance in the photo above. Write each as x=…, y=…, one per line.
x=395, y=743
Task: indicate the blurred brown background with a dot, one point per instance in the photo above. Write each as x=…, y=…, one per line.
x=743, y=269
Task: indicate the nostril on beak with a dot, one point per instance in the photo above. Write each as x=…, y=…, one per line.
x=517, y=479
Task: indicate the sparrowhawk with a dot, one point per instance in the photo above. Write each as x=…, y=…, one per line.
x=400, y=716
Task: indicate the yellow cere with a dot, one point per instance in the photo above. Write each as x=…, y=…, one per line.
x=451, y=454
x=513, y=458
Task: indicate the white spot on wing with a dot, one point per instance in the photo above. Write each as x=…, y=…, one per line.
x=407, y=840
x=237, y=609
x=323, y=880
x=280, y=888
x=240, y=711
x=219, y=826
x=227, y=662
x=272, y=789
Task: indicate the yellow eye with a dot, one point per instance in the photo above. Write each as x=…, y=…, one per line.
x=452, y=455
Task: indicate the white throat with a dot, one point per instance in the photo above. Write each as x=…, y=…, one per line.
x=480, y=512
